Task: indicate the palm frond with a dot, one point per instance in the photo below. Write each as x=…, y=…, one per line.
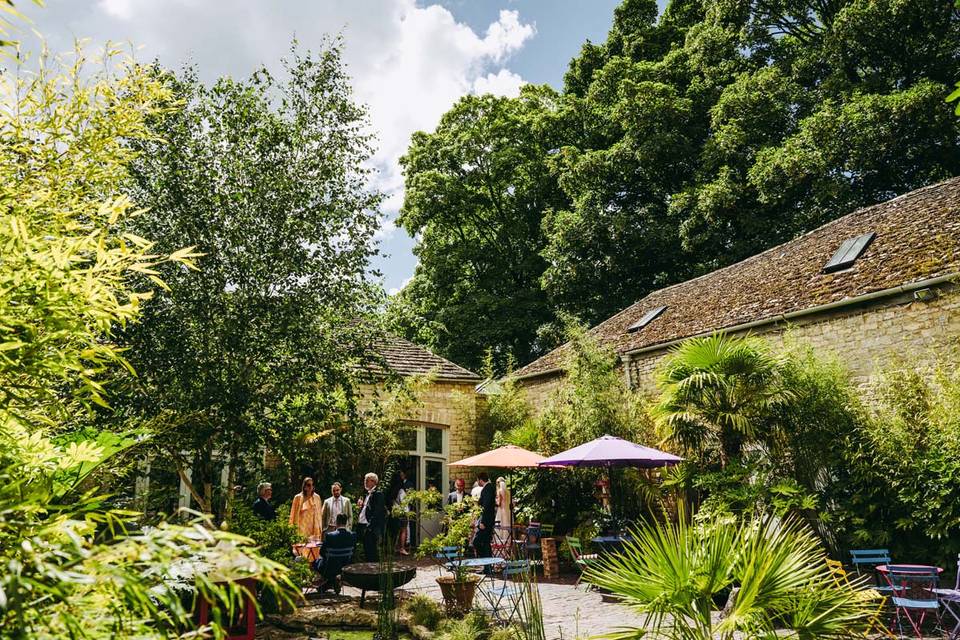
x=671, y=573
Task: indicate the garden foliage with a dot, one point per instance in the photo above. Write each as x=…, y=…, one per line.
x=677, y=574
x=73, y=566
x=593, y=400
x=764, y=429
x=903, y=489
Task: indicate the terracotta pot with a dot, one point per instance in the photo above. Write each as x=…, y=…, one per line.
x=458, y=596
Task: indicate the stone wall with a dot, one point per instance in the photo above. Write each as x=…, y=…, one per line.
x=863, y=338
x=538, y=391
x=451, y=405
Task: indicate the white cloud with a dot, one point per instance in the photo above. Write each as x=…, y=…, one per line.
x=122, y=9
x=502, y=83
x=387, y=228
x=409, y=63
x=507, y=34
x=395, y=290
x=415, y=77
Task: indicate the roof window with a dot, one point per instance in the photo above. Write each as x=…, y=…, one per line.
x=849, y=251
x=647, y=318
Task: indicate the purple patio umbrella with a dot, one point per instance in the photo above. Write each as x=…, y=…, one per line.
x=607, y=451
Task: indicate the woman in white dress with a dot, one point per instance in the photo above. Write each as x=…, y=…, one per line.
x=504, y=512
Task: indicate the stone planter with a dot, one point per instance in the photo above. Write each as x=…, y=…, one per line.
x=458, y=596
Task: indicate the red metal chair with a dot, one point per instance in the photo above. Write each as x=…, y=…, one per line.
x=914, y=595
x=245, y=626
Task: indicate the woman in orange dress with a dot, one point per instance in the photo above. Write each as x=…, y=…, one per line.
x=305, y=511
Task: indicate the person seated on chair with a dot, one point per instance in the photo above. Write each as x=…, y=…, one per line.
x=342, y=538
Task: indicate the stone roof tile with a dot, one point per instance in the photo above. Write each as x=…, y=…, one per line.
x=917, y=238
x=406, y=359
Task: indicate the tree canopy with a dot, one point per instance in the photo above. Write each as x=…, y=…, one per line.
x=266, y=177
x=685, y=142
x=476, y=190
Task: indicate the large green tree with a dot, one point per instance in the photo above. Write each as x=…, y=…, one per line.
x=696, y=138
x=476, y=190
x=267, y=178
x=741, y=124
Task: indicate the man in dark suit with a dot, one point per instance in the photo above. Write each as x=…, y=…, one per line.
x=342, y=538
x=373, y=517
x=488, y=512
x=261, y=506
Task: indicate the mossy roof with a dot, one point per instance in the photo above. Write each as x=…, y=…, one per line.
x=917, y=238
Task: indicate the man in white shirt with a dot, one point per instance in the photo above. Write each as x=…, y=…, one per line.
x=459, y=493
x=334, y=506
x=373, y=517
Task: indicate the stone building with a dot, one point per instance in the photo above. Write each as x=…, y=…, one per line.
x=442, y=416
x=878, y=282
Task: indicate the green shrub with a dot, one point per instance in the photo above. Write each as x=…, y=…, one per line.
x=507, y=633
x=474, y=626
x=273, y=538
x=424, y=611
x=674, y=573
x=904, y=464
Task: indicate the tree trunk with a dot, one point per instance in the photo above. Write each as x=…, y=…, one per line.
x=231, y=484
x=731, y=603
x=731, y=445
x=182, y=473
x=202, y=472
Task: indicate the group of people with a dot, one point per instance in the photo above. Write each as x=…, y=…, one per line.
x=331, y=521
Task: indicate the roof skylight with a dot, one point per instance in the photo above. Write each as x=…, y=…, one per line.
x=647, y=318
x=849, y=251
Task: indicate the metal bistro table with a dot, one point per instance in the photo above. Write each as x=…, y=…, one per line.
x=610, y=544
x=906, y=569
x=486, y=566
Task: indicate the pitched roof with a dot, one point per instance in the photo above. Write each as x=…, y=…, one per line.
x=408, y=359
x=917, y=238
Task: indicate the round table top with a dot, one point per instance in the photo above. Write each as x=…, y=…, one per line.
x=479, y=562
x=907, y=568
x=376, y=568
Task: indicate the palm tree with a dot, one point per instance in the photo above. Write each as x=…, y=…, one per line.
x=717, y=391
x=674, y=573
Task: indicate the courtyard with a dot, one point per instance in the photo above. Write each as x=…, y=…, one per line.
x=500, y=319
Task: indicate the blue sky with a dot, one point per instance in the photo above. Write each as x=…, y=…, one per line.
x=410, y=59
x=562, y=26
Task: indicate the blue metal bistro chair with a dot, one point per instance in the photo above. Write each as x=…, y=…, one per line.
x=867, y=560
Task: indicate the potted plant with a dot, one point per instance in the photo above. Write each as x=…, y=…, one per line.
x=449, y=547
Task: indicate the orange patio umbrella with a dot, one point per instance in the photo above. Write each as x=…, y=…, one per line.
x=508, y=457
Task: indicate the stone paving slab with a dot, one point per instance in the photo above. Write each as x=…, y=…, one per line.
x=568, y=613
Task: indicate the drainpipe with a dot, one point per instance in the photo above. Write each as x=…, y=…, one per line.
x=626, y=359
